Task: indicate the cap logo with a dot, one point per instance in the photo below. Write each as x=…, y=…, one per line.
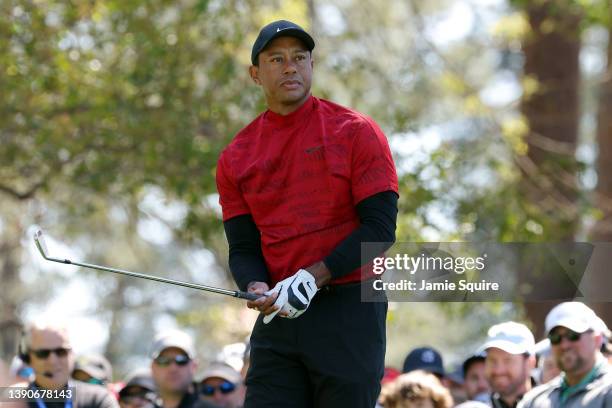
x=428, y=356
x=277, y=29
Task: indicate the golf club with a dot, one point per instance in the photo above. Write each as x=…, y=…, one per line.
x=42, y=247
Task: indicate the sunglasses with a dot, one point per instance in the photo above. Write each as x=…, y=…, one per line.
x=225, y=387
x=556, y=338
x=180, y=360
x=44, y=354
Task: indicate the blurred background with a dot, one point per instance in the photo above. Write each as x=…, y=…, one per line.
x=113, y=114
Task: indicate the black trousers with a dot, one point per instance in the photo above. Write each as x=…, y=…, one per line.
x=331, y=356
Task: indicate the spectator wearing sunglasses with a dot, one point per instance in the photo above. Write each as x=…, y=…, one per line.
x=509, y=359
x=222, y=385
x=575, y=334
x=173, y=369
x=46, y=348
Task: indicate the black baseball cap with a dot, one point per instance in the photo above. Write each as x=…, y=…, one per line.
x=424, y=358
x=280, y=28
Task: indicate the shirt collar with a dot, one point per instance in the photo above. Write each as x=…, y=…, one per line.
x=293, y=117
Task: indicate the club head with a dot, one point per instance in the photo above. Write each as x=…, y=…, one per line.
x=40, y=244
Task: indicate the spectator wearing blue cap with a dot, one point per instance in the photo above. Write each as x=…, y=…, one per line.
x=426, y=359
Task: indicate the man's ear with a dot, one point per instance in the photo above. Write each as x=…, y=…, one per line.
x=531, y=362
x=254, y=73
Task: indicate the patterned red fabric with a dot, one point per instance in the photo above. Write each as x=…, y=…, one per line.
x=300, y=177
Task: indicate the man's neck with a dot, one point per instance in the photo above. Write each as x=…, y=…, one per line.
x=285, y=110
x=512, y=399
x=171, y=399
x=49, y=386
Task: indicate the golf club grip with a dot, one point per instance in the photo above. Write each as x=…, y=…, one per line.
x=247, y=295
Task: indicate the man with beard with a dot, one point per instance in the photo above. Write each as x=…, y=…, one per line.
x=575, y=334
x=510, y=357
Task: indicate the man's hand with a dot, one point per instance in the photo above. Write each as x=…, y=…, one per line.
x=265, y=304
x=293, y=295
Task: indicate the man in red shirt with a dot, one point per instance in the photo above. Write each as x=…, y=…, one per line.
x=301, y=187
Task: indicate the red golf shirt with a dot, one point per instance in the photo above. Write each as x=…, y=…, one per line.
x=300, y=177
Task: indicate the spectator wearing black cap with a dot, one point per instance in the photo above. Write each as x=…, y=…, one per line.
x=510, y=358
x=426, y=359
x=222, y=385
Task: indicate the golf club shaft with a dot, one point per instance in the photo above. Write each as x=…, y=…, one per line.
x=234, y=293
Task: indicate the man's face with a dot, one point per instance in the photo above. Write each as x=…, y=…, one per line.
x=578, y=356
x=507, y=373
x=233, y=399
x=284, y=73
x=53, y=367
x=170, y=376
x=475, y=381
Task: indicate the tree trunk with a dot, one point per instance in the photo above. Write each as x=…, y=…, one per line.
x=552, y=111
x=599, y=283
x=10, y=286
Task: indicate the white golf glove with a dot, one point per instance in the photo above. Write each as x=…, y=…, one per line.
x=294, y=295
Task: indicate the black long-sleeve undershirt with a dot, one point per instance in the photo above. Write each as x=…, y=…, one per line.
x=377, y=216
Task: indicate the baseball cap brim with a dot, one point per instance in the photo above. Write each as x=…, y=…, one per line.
x=507, y=346
x=264, y=39
x=94, y=372
x=579, y=326
x=226, y=373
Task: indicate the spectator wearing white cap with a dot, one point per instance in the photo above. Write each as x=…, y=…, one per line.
x=222, y=385
x=509, y=360
x=173, y=369
x=93, y=369
x=575, y=334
